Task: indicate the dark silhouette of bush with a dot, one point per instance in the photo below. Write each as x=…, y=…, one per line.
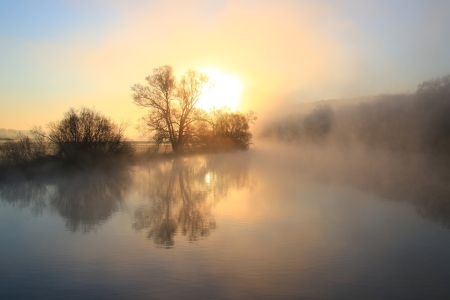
x=86, y=133
x=24, y=149
x=229, y=130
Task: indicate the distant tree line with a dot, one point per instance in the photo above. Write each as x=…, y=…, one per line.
x=9, y=134
x=418, y=122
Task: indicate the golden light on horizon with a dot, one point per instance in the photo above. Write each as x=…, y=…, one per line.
x=226, y=90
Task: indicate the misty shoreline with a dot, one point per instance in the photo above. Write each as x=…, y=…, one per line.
x=404, y=123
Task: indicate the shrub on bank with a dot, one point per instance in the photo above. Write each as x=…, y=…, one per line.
x=87, y=133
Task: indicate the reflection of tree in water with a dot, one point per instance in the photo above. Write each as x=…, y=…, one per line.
x=163, y=227
x=435, y=208
x=25, y=193
x=431, y=201
x=85, y=199
x=183, y=194
x=418, y=181
x=89, y=199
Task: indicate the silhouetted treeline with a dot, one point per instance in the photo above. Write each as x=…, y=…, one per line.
x=418, y=122
x=85, y=136
x=172, y=118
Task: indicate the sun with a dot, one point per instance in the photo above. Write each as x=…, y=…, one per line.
x=226, y=90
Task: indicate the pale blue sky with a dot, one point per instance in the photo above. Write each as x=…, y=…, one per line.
x=60, y=54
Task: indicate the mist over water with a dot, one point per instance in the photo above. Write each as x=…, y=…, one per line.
x=416, y=178
x=281, y=221
x=89, y=197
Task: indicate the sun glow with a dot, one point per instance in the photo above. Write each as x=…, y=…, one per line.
x=226, y=90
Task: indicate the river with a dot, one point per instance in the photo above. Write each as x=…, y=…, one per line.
x=263, y=224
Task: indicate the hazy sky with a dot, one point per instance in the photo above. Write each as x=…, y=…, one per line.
x=60, y=54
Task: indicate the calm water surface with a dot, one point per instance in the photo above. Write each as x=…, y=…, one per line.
x=247, y=225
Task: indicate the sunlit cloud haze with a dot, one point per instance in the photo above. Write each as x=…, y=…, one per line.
x=60, y=54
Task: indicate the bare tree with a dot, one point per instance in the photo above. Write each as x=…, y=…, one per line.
x=192, y=86
x=171, y=104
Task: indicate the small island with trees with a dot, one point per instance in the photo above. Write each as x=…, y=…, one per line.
x=85, y=136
